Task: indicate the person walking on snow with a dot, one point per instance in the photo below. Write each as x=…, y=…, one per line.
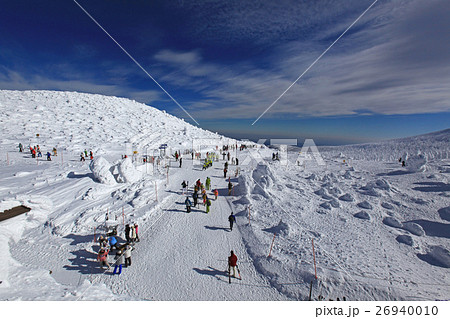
x=188, y=205
x=119, y=262
x=102, y=257
x=127, y=255
x=231, y=219
x=208, y=204
x=230, y=187
x=216, y=193
x=208, y=183
x=184, y=185
x=232, y=263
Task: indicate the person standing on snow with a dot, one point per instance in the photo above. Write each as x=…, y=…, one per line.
x=232, y=263
x=188, y=205
x=102, y=257
x=20, y=147
x=216, y=193
x=181, y=160
x=195, y=197
x=49, y=158
x=119, y=262
x=113, y=242
x=132, y=234
x=208, y=204
x=208, y=183
x=127, y=233
x=127, y=255
x=225, y=173
x=137, y=234
x=231, y=219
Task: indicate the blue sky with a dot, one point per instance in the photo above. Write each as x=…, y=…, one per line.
x=225, y=62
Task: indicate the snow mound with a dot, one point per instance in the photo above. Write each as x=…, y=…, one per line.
x=347, y=198
x=437, y=256
x=365, y=204
x=416, y=163
x=444, y=213
x=405, y=239
x=281, y=229
x=393, y=222
x=414, y=228
x=387, y=205
x=127, y=172
x=362, y=215
x=100, y=167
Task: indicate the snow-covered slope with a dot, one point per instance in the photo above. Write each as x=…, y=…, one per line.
x=380, y=230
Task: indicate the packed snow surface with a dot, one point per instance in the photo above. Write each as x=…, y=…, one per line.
x=380, y=231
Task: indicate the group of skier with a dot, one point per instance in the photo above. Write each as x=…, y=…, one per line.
x=123, y=252
x=36, y=151
x=84, y=155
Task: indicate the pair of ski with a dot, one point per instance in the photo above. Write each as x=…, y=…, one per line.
x=229, y=273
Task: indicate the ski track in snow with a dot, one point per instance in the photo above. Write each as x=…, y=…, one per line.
x=380, y=230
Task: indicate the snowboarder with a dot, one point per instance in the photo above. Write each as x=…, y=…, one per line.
x=49, y=158
x=55, y=152
x=230, y=187
x=119, y=262
x=403, y=164
x=188, y=205
x=85, y=153
x=127, y=233
x=208, y=183
x=216, y=193
x=82, y=159
x=20, y=147
x=195, y=197
x=232, y=263
x=102, y=257
x=127, y=255
x=91, y=155
x=208, y=204
x=231, y=219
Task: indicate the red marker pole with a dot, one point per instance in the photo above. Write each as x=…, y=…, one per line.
x=273, y=240
x=314, y=257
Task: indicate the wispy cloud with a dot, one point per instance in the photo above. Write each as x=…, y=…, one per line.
x=397, y=62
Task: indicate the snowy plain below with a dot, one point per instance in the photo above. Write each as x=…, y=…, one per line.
x=380, y=231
